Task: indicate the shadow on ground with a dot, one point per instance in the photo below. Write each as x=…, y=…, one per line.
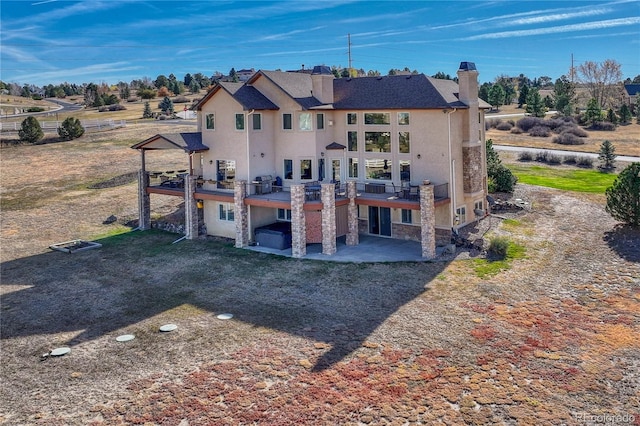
x=137, y=276
x=625, y=241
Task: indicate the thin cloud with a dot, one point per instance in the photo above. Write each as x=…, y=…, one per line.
x=288, y=34
x=597, y=25
x=69, y=74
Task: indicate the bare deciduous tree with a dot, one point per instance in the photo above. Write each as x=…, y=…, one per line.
x=601, y=80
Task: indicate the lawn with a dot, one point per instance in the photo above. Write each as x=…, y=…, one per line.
x=591, y=181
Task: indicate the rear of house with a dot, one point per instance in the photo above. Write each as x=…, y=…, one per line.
x=325, y=158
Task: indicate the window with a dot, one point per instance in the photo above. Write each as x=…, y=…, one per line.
x=353, y=167
x=284, y=214
x=225, y=211
x=405, y=170
x=352, y=118
x=403, y=118
x=406, y=216
x=210, y=121
x=478, y=205
x=377, y=118
x=352, y=141
x=320, y=121
x=304, y=121
x=461, y=215
x=225, y=173
x=287, y=122
x=288, y=169
x=239, y=121
x=257, y=121
x=377, y=141
x=377, y=168
x=305, y=169
x=403, y=142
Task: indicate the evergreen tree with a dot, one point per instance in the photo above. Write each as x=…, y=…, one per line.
x=194, y=87
x=166, y=105
x=607, y=156
x=623, y=197
x=611, y=116
x=500, y=177
x=522, y=97
x=147, y=111
x=496, y=96
x=564, y=93
x=30, y=130
x=625, y=114
x=535, y=106
x=71, y=128
x=593, y=113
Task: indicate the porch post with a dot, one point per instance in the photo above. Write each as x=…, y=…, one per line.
x=144, y=200
x=241, y=214
x=353, y=237
x=190, y=208
x=298, y=222
x=328, y=197
x=427, y=221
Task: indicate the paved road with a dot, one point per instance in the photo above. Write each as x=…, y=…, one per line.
x=625, y=158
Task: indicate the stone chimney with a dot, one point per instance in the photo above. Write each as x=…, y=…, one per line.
x=322, y=84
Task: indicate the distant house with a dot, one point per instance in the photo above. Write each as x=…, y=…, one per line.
x=294, y=158
x=245, y=74
x=631, y=92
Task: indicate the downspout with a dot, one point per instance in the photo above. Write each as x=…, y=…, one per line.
x=452, y=167
x=248, y=174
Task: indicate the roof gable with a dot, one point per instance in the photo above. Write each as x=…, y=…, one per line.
x=247, y=96
x=188, y=142
x=296, y=85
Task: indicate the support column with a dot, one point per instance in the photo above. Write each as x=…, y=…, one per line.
x=427, y=221
x=298, y=222
x=190, y=208
x=241, y=214
x=328, y=196
x=144, y=201
x=353, y=237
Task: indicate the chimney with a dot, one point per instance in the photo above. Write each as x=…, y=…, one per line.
x=322, y=84
x=468, y=83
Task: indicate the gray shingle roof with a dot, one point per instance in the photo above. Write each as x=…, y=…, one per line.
x=394, y=92
x=248, y=96
x=189, y=142
x=296, y=84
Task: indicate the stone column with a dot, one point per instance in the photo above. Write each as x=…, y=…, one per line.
x=190, y=208
x=298, y=222
x=427, y=221
x=328, y=196
x=241, y=214
x=353, y=237
x=144, y=201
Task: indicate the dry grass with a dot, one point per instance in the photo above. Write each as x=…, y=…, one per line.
x=310, y=342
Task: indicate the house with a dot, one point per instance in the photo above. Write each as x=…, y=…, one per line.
x=631, y=91
x=294, y=158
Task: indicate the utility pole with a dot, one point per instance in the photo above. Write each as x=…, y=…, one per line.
x=572, y=70
x=349, y=42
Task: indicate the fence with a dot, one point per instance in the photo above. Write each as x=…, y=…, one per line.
x=52, y=126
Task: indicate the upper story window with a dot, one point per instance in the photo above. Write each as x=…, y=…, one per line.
x=304, y=121
x=320, y=121
x=239, y=121
x=377, y=118
x=377, y=141
x=287, y=121
x=352, y=141
x=403, y=118
x=257, y=121
x=403, y=143
x=352, y=118
x=210, y=121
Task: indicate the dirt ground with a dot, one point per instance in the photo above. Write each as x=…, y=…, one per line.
x=554, y=339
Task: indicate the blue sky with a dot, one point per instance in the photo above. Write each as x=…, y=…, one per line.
x=50, y=41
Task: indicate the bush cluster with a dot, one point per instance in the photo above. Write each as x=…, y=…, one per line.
x=554, y=159
x=180, y=100
x=114, y=107
x=566, y=128
x=603, y=125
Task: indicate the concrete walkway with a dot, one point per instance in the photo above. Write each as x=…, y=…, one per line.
x=371, y=249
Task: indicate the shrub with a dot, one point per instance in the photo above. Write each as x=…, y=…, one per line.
x=603, y=125
x=525, y=156
x=516, y=130
x=567, y=139
x=586, y=162
x=623, y=197
x=573, y=129
x=554, y=159
x=504, y=126
x=540, y=131
x=528, y=123
x=71, y=128
x=30, y=130
x=541, y=156
x=554, y=123
x=180, y=100
x=117, y=107
x=35, y=109
x=132, y=99
x=498, y=247
x=103, y=109
x=569, y=159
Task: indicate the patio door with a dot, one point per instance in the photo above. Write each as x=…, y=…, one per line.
x=336, y=172
x=380, y=221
